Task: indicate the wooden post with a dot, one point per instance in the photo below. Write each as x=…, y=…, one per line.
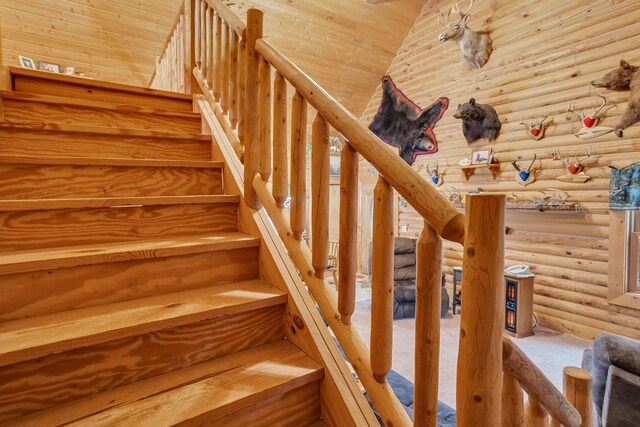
x=512, y=402
x=226, y=65
x=428, y=304
x=577, y=390
x=217, y=83
x=280, y=175
x=233, y=79
x=191, y=84
x=264, y=118
x=254, y=32
x=320, y=195
x=348, y=239
x=242, y=81
x=197, y=28
x=479, y=376
x=207, y=69
x=382, y=281
x=534, y=413
x=298, y=165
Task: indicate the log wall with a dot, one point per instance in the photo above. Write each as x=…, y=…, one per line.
x=545, y=54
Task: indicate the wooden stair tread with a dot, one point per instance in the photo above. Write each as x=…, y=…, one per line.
x=81, y=203
x=318, y=423
x=37, y=126
x=71, y=256
x=215, y=387
x=96, y=161
x=15, y=71
x=91, y=104
x=30, y=338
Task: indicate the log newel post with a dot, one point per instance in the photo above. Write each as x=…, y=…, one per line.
x=512, y=402
x=251, y=160
x=280, y=157
x=320, y=195
x=479, y=376
x=298, y=165
x=577, y=390
x=382, y=281
x=348, y=244
x=428, y=304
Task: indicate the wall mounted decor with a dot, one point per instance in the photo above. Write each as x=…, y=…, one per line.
x=575, y=170
x=547, y=202
x=436, y=175
x=590, y=128
x=624, y=187
x=526, y=176
x=479, y=121
x=403, y=124
x=335, y=144
x=476, y=46
x=625, y=77
x=536, y=128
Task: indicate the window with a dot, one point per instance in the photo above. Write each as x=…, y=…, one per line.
x=624, y=258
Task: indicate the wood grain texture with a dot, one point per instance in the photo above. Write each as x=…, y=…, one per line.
x=24, y=141
x=23, y=230
x=320, y=196
x=280, y=155
x=538, y=65
x=298, y=165
x=22, y=181
x=62, y=378
x=348, y=233
x=38, y=293
x=577, y=389
x=512, y=402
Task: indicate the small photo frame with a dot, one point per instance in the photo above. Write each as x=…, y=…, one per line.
x=48, y=66
x=69, y=71
x=334, y=165
x=26, y=62
x=482, y=157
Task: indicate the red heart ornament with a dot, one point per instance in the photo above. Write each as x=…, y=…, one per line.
x=535, y=131
x=574, y=169
x=589, y=121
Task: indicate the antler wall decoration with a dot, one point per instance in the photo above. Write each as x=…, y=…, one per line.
x=575, y=169
x=536, y=129
x=476, y=46
x=526, y=176
x=590, y=128
x=436, y=176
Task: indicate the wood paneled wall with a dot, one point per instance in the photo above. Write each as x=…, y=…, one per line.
x=545, y=54
x=113, y=40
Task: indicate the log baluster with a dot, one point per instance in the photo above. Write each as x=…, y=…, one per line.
x=512, y=402
x=217, y=61
x=534, y=413
x=207, y=68
x=191, y=48
x=254, y=32
x=226, y=64
x=428, y=303
x=382, y=281
x=202, y=34
x=197, y=29
x=233, y=79
x=264, y=118
x=298, y=165
x=577, y=390
x=242, y=80
x=348, y=244
x=479, y=376
x=280, y=175
x=320, y=195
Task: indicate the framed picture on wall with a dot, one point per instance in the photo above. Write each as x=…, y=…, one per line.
x=26, y=62
x=334, y=165
x=482, y=157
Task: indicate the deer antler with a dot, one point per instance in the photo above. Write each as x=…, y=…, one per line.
x=571, y=108
x=456, y=9
x=582, y=159
x=516, y=166
x=444, y=20
x=532, y=162
x=556, y=156
x=543, y=120
x=604, y=102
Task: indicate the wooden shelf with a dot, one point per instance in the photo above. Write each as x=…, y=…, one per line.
x=467, y=171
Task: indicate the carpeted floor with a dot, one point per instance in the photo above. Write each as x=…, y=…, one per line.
x=550, y=351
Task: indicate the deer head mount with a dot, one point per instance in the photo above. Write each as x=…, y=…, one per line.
x=590, y=128
x=524, y=176
x=476, y=46
x=436, y=176
x=536, y=128
x=575, y=169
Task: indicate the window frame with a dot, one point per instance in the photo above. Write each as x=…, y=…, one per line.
x=624, y=225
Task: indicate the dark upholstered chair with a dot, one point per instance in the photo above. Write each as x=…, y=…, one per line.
x=614, y=362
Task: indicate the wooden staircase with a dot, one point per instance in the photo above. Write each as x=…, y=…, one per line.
x=129, y=295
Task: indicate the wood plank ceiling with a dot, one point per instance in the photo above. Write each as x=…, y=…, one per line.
x=345, y=45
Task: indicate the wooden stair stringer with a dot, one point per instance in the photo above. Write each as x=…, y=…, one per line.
x=342, y=402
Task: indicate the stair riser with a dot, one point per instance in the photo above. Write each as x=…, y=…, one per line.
x=50, y=291
x=26, y=142
x=56, y=379
x=68, y=181
x=83, y=116
x=25, y=230
x=88, y=91
x=294, y=408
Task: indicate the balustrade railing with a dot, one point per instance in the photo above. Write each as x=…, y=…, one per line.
x=246, y=81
